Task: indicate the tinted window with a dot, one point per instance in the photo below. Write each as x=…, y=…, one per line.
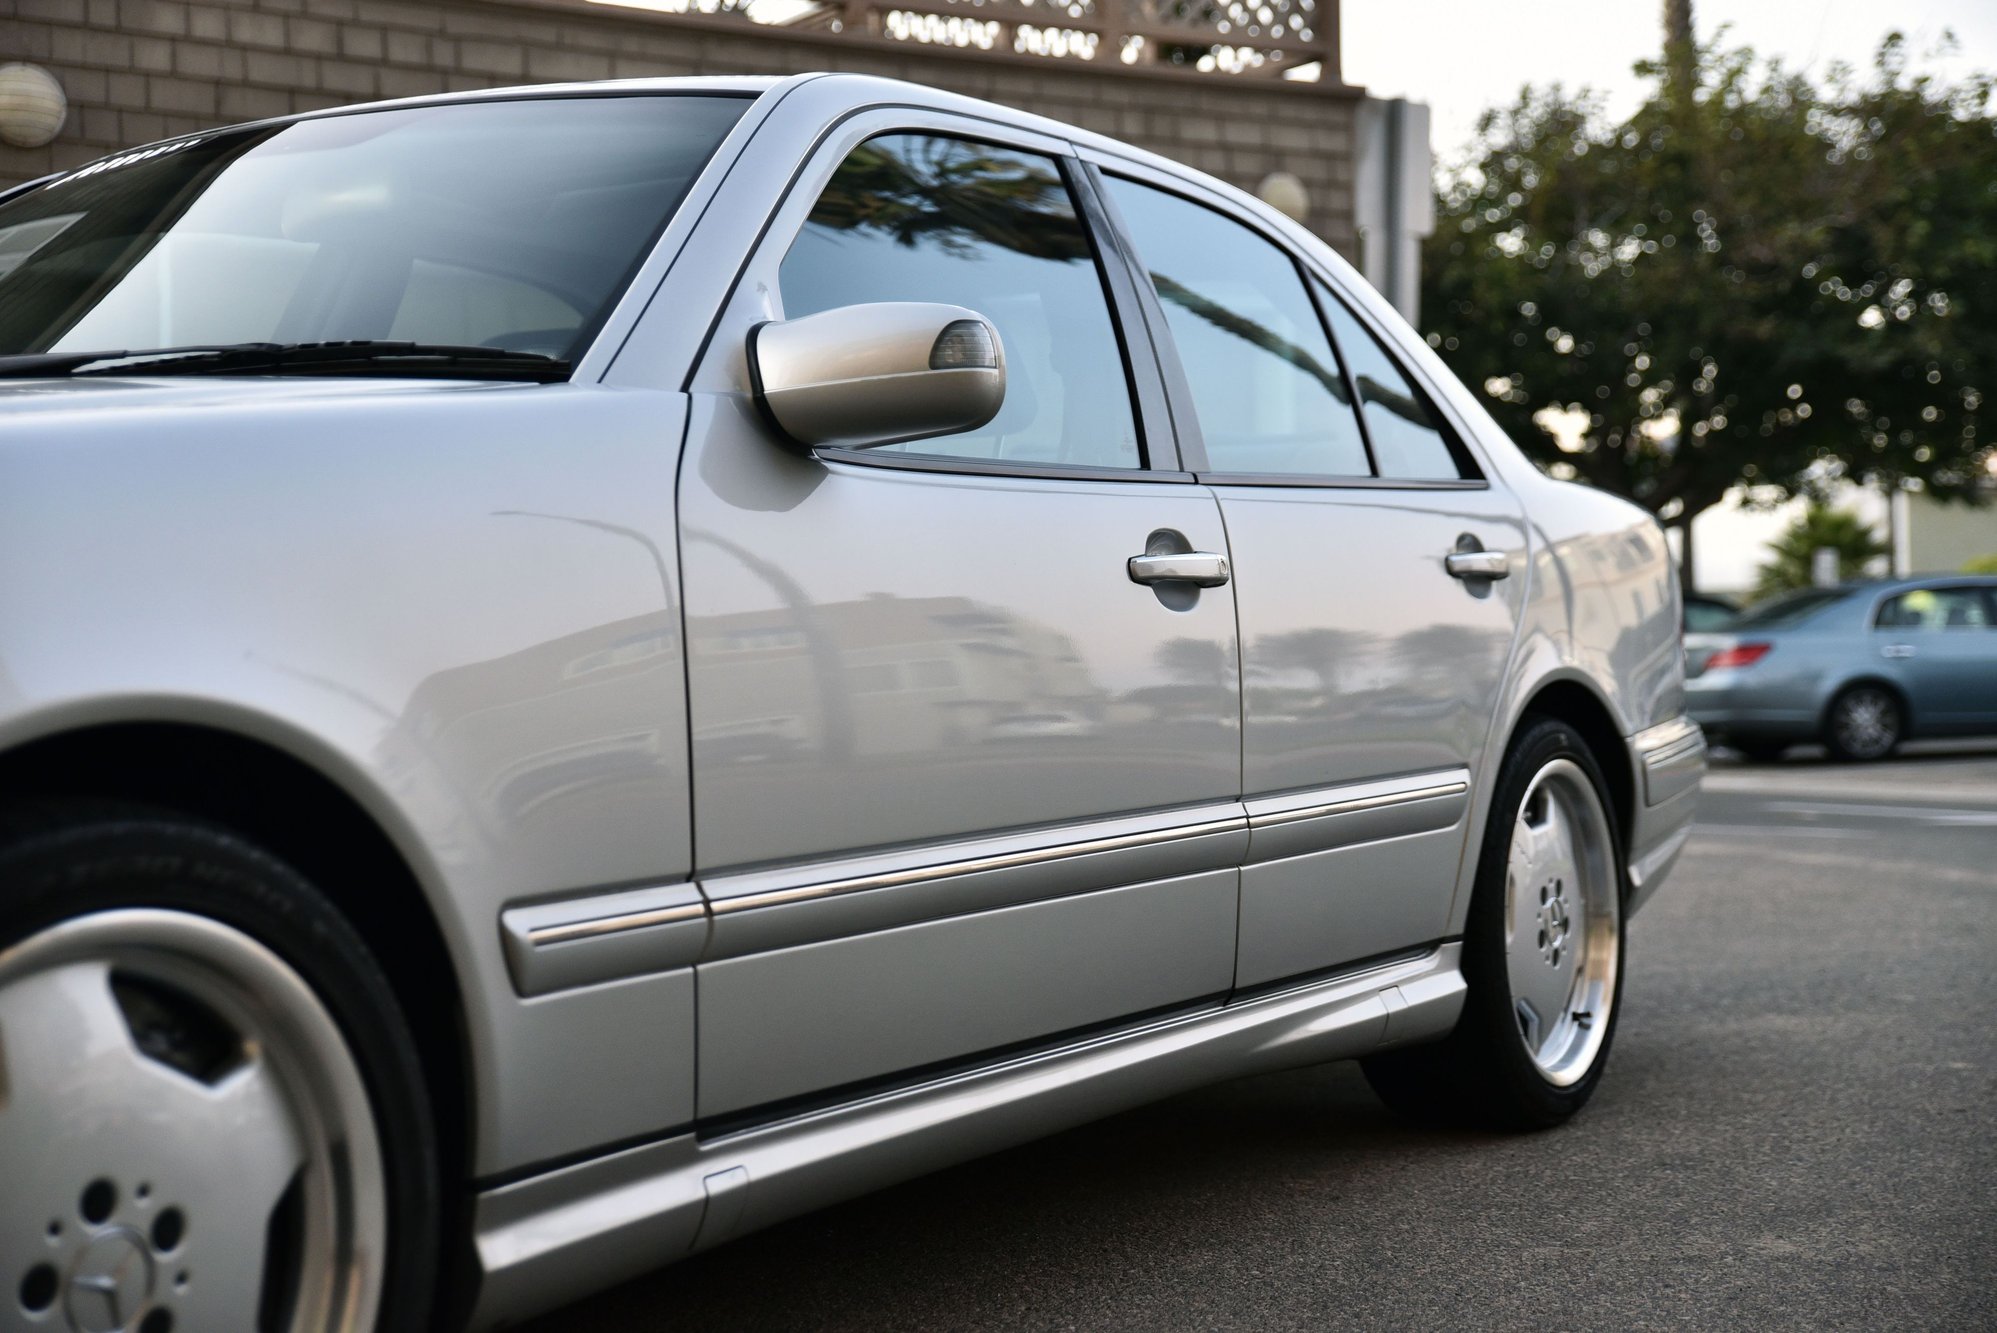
x=1407, y=437
x=1703, y=615
x=1269, y=392
x=1791, y=608
x=1935, y=608
x=509, y=224
x=916, y=218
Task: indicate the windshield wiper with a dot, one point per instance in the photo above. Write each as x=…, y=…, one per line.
x=365, y=356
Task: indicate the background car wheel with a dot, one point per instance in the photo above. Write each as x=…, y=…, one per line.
x=214, y=1116
x=1865, y=722
x=1542, y=953
x=1757, y=750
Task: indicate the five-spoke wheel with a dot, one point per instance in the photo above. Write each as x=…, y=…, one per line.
x=1542, y=951
x=194, y=1131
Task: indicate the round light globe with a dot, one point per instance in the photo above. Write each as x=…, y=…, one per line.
x=1286, y=194
x=32, y=106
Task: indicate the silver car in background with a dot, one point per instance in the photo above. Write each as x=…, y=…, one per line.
x=1859, y=667
x=584, y=669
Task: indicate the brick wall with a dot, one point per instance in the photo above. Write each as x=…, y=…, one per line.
x=138, y=70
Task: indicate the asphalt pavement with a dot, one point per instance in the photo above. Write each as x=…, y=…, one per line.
x=1798, y=1130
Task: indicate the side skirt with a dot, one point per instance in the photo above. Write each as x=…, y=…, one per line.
x=545, y=1241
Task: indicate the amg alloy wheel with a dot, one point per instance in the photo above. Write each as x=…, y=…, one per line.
x=1542, y=952
x=1864, y=723
x=188, y=1135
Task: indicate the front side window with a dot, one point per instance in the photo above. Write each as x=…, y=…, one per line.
x=510, y=225
x=1936, y=608
x=1409, y=440
x=1269, y=392
x=910, y=217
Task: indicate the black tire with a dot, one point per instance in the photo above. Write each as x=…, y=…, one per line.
x=1481, y=1075
x=1865, y=722
x=67, y=862
x=1758, y=749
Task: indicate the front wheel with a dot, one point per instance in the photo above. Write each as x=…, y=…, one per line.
x=213, y=1117
x=1864, y=723
x=1542, y=952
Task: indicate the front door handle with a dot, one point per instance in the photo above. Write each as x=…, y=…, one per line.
x=1477, y=564
x=1201, y=568
x=1897, y=650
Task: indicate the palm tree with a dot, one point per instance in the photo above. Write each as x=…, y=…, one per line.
x=1819, y=526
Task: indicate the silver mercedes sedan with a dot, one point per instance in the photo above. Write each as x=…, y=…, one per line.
x=587, y=668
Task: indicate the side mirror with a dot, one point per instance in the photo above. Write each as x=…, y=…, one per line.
x=868, y=375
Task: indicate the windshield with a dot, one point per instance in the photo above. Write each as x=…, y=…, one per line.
x=1792, y=609
x=510, y=225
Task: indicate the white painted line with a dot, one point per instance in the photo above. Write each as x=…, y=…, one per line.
x=1920, y=814
x=1789, y=830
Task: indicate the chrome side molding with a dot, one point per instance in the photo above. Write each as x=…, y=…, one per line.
x=581, y=941
x=549, y=1239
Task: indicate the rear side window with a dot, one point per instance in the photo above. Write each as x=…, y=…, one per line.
x=1270, y=395
x=1936, y=608
x=1409, y=440
x=912, y=217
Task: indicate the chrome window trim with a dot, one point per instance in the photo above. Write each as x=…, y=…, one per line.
x=715, y=369
x=1150, y=173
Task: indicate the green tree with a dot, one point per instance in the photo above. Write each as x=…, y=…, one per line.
x=1751, y=280
x=1792, y=556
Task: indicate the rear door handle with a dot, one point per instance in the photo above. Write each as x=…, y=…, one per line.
x=1897, y=650
x=1201, y=568
x=1477, y=564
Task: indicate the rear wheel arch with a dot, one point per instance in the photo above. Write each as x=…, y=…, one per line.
x=297, y=813
x=1581, y=708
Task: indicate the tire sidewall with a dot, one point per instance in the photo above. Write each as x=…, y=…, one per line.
x=1488, y=1022
x=77, y=867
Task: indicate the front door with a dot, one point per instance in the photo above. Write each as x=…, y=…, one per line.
x=1370, y=673
x=960, y=783
x=1942, y=642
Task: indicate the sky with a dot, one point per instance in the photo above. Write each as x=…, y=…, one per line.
x=1451, y=55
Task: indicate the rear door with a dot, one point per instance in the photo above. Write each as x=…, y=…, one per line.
x=959, y=782
x=1370, y=673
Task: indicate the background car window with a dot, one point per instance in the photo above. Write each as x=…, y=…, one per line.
x=1936, y=608
x=1791, y=609
x=919, y=218
x=1269, y=392
x=1408, y=440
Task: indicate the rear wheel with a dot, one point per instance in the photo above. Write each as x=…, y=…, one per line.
x=1542, y=953
x=1865, y=722
x=214, y=1116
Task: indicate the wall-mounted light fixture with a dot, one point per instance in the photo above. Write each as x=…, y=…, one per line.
x=32, y=106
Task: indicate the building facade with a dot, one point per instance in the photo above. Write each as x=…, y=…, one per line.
x=1246, y=90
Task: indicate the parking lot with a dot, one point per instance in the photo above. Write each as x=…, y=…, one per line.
x=1797, y=1131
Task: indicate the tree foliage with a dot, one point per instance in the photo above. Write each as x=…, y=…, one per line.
x=1764, y=282
x=1792, y=555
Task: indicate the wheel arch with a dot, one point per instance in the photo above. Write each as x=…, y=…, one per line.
x=1572, y=701
x=295, y=810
